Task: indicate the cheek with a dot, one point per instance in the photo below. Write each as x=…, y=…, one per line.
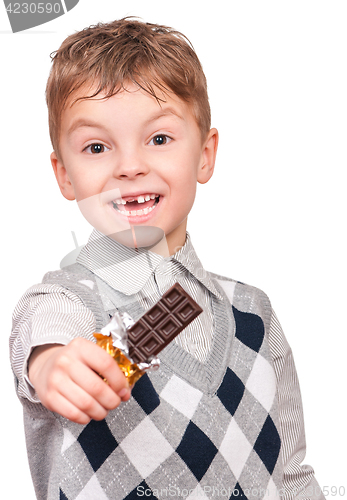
x=86, y=183
x=84, y=190
x=185, y=194
x=183, y=184
x=184, y=167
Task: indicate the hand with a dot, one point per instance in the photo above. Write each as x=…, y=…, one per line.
x=67, y=382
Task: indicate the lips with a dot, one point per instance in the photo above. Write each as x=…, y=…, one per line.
x=131, y=206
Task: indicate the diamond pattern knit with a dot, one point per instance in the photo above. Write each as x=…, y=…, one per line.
x=190, y=430
x=177, y=436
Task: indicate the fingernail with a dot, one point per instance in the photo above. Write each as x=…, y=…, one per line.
x=123, y=392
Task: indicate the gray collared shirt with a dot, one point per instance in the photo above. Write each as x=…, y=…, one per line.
x=147, y=275
x=50, y=314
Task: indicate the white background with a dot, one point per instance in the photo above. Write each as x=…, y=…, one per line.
x=273, y=215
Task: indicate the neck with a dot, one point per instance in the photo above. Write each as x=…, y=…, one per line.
x=162, y=248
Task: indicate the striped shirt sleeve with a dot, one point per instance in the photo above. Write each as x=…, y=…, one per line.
x=46, y=314
x=298, y=480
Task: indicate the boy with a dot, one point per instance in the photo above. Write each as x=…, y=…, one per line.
x=130, y=127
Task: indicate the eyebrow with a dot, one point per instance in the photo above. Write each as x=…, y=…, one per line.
x=162, y=113
x=84, y=122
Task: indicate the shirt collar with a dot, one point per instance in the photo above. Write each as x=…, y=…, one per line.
x=189, y=259
x=128, y=269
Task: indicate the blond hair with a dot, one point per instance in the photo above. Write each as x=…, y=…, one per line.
x=105, y=57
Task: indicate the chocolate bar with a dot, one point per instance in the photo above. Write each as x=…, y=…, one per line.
x=151, y=333
x=131, y=370
x=161, y=324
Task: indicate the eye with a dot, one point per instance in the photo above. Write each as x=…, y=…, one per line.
x=160, y=140
x=96, y=148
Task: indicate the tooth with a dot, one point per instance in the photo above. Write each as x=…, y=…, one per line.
x=140, y=199
x=152, y=196
x=133, y=212
x=118, y=201
x=123, y=202
x=147, y=197
x=145, y=211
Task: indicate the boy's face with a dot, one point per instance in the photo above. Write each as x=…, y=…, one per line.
x=129, y=161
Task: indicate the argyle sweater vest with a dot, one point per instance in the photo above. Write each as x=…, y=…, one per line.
x=190, y=430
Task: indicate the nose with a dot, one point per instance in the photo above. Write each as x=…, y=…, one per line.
x=130, y=167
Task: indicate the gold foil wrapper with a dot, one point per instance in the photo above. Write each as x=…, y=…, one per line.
x=131, y=370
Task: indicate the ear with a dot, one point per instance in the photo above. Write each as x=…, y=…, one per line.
x=209, y=153
x=62, y=177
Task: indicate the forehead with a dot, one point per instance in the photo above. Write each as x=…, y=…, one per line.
x=130, y=102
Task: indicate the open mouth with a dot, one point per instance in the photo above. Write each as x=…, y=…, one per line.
x=139, y=205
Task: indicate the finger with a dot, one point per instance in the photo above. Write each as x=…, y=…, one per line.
x=92, y=384
x=102, y=363
x=83, y=401
x=126, y=395
x=66, y=409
